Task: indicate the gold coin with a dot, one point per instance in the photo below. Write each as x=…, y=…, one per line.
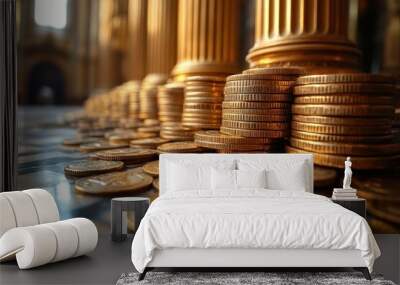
x=200, y=113
x=180, y=147
x=344, y=88
x=130, y=155
x=90, y=167
x=346, y=149
x=126, y=138
x=252, y=111
x=100, y=146
x=218, y=137
x=255, y=133
x=156, y=184
x=131, y=180
x=385, y=211
x=201, y=125
x=152, y=168
x=255, y=105
x=206, y=78
x=255, y=125
x=260, y=77
x=79, y=141
x=343, y=110
x=197, y=94
x=341, y=130
x=255, y=118
x=371, y=162
x=382, y=187
x=343, y=139
x=216, y=91
x=258, y=89
x=379, y=226
x=342, y=120
x=208, y=106
x=230, y=146
x=344, y=99
x=258, y=83
x=151, y=142
x=259, y=97
x=345, y=78
x=324, y=177
x=295, y=71
x=212, y=100
x=143, y=131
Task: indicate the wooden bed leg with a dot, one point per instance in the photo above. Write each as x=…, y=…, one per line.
x=364, y=271
x=143, y=274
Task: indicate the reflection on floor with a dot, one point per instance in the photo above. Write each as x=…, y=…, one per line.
x=41, y=161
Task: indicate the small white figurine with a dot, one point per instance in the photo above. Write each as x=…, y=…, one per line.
x=347, y=174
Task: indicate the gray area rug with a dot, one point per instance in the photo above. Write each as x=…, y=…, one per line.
x=236, y=278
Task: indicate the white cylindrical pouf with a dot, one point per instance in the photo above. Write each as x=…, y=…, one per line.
x=7, y=218
x=33, y=246
x=23, y=208
x=67, y=240
x=87, y=233
x=45, y=205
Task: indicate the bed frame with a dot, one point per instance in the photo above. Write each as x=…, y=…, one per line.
x=251, y=258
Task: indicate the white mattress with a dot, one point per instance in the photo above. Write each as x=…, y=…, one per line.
x=257, y=219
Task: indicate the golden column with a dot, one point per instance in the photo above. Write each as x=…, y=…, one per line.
x=208, y=38
x=309, y=33
x=110, y=35
x=161, y=35
x=135, y=64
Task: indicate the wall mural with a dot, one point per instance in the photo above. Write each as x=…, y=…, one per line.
x=167, y=76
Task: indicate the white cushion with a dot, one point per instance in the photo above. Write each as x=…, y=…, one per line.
x=281, y=174
x=251, y=178
x=26, y=208
x=7, y=218
x=223, y=179
x=185, y=175
x=45, y=206
x=40, y=244
x=23, y=208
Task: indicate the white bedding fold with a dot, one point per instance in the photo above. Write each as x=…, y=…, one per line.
x=250, y=219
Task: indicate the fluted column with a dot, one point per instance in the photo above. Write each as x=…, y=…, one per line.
x=108, y=65
x=303, y=32
x=208, y=37
x=135, y=64
x=161, y=35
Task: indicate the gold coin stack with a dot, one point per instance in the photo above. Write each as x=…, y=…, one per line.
x=174, y=131
x=170, y=102
x=133, y=89
x=148, y=96
x=340, y=115
x=255, y=111
x=202, y=106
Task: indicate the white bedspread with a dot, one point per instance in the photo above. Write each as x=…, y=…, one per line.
x=250, y=219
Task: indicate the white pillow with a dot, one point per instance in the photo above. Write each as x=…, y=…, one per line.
x=281, y=174
x=251, y=178
x=182, y=178
x=185, y=174
x=223, y=179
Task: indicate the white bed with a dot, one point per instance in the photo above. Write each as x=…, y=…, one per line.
x=249, y=227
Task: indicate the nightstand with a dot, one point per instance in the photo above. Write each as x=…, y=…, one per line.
x=357, y=205
x=119, y=215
